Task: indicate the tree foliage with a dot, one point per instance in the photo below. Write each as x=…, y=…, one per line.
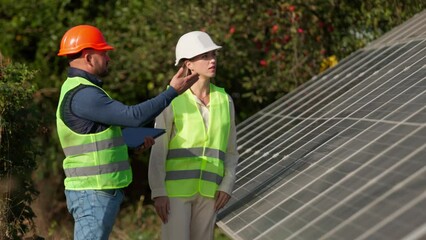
x=269, y=48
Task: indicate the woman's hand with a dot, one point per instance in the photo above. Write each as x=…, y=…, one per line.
x=162, y=207
x=222, y=199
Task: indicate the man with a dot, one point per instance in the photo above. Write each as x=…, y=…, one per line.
x=89, y=127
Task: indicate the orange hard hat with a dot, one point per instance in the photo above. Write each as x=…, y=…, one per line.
x=81, y=37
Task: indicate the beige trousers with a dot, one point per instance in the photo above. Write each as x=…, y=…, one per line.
x=190, y=218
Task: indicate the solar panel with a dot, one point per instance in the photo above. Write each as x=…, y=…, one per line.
x=343, y=156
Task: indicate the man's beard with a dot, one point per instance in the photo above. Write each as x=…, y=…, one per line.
x=104, y=72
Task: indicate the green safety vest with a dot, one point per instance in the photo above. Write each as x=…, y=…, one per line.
x=195, y=159
x=95, y=160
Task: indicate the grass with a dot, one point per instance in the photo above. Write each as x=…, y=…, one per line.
x=135, y=221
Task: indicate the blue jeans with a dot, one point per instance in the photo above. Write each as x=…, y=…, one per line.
x=94, y=212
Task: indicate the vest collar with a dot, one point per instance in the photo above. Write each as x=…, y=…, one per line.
x=75, y=72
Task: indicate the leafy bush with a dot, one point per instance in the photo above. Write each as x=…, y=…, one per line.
x=17, y=151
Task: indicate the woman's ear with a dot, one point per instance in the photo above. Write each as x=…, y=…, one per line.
x=188, y=65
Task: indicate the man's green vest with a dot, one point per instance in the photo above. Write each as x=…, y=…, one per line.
x=92, y=161
x=195, y=160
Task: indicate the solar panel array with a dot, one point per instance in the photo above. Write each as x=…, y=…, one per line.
x=343, y=156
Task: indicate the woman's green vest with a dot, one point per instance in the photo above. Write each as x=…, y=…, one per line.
x=92, y=161
x=195, y=158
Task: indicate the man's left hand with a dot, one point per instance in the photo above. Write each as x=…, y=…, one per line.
x=147, y=143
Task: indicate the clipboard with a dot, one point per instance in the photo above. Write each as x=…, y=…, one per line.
x=134, y=137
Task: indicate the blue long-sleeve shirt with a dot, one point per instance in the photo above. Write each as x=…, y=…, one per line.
x=88, y=109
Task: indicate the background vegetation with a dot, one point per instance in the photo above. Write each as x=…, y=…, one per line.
x=17, y=153
x=269, y=49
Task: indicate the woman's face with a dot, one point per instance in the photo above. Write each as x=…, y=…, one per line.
x=204, y=64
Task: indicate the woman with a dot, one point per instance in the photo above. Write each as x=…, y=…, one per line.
x=192, y=166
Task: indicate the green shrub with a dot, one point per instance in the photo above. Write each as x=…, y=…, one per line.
x=18, y=124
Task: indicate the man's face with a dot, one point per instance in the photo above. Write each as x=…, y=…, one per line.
x=98, y=61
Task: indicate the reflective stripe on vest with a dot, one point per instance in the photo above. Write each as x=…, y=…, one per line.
x=196, y=154
x=93, y=160
x=186, y=174
x=96, y=170
x=92, y=147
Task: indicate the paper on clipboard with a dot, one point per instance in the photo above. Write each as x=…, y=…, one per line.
x=134, y=137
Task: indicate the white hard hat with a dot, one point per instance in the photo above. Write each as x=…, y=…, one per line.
x=192, y=44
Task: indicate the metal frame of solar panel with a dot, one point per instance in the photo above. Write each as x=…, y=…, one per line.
x=342, y=157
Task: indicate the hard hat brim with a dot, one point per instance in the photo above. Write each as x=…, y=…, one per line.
x=70, y=51
x=192, y=56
